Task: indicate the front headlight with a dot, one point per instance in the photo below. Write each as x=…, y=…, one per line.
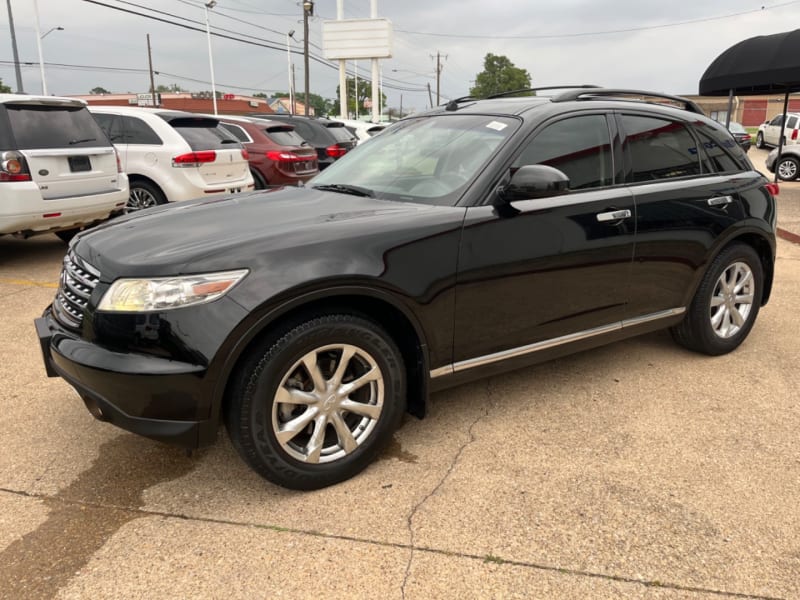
x=165, y=293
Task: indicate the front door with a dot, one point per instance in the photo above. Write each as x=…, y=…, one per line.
x=548, y=267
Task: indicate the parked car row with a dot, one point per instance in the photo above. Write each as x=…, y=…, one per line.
x=62, y=170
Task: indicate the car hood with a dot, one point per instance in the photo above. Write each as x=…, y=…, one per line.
x=230, y=232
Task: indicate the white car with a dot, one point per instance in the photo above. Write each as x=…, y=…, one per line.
x=58, y=171
x=363, y=130
x=769, y=131
x=172, y=155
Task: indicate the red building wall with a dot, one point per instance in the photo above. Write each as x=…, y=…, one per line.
x=754, y=112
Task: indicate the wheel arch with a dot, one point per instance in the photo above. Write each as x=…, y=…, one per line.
x=759, y=242
x=377, y=306
x=134, y=177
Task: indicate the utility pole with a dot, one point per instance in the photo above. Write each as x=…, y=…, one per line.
x=17, y=71
x=438, y=75
x=152, y=79
x=308, y=11
x=430, y=98
x=39, y=45
x=342, y=69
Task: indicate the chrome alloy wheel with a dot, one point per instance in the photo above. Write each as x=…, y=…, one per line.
x=328, y=403
x=787, y=169
x=732, y=300
x=140, y=198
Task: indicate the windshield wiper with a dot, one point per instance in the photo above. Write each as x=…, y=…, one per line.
x=73, y=142
x=344, y=188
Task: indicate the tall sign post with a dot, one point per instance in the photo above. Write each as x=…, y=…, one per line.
x=354, y=39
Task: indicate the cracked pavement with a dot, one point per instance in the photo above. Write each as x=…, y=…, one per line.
x=637, y=470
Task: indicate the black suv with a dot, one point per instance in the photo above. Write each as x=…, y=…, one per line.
x=460, y=243
x=331, y=139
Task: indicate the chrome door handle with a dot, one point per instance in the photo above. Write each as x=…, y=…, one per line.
x=720, y=200
x=614, y=215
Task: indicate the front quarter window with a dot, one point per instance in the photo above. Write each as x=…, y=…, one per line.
x=428, y=159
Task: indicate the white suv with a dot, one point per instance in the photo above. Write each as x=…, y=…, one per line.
x=172, y=155
x=58, y=171
x=769, y=131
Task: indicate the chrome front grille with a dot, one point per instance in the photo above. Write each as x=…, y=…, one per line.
x=78, y=280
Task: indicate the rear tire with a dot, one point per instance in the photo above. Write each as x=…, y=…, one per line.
x=258, y=180
x=759, y=140
x=726, y=304
x=144, y=194
x=66, y=235
x=316, y=403
x=787, y=168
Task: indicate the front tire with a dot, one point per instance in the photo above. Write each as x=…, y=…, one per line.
x=726, y=304
x=787, y=168
x=316, y=405
x=759, y=140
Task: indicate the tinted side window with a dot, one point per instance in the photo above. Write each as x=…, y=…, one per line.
x=777, y=120
x=722, y=152
x=139, y=132
x=578, y=146
x=660, y=149
x=35, y=127
x=305, y=131
x=111, y=125
x=792, y=122
x=239, y=133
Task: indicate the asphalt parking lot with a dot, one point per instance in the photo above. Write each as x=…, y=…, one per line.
x=638, y=470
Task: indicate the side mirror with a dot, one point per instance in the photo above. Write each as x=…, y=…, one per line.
x=535, y=181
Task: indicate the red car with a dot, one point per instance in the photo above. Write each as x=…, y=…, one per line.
x=278, y=155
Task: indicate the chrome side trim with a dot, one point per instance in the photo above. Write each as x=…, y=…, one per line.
x=552, y=343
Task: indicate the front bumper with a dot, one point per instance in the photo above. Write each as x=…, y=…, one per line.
x=154, y=397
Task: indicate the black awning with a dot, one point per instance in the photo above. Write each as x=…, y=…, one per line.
x=766, y=64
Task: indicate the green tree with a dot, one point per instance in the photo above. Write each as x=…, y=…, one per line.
x=499, y=75
x=322, y=106
x=364, y=93
x=4, y=89
x=98, y=90
x=173, y=88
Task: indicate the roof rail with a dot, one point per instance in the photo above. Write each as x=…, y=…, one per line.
x=542, y=89
x=642, y=96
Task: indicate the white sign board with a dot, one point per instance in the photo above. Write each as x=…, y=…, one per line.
x=147, y=99
x=351, y=39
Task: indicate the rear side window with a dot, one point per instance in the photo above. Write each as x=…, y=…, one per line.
x=340, y=133
x=580, y=147
x=792, y=122
x=111, y=126
x=239, y=133
x=660, y=149
x=35, y=127
x=305, y=131
x=204, y=134
x=284, y=136
x=139, y=132
x=721, y=151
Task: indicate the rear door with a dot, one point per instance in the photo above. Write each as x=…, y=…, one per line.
x=205, y=136
x=773, y=130
x=67, y=152
x=685, y=179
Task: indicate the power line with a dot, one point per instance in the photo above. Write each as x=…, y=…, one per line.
x=262, y=44
x=592, y=33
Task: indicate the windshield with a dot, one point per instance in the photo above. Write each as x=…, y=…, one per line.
x=428, y=159
x=736, y=127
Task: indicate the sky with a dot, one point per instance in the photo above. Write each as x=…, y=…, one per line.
x=641, y=44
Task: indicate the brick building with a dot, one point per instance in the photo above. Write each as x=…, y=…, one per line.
x=750, y=111
x=227, y=104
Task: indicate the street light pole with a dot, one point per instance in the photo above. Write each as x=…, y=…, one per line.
x=17, y=71
x=289, y=59
x=308, y=10
x=209, y=5
x=39, y=45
